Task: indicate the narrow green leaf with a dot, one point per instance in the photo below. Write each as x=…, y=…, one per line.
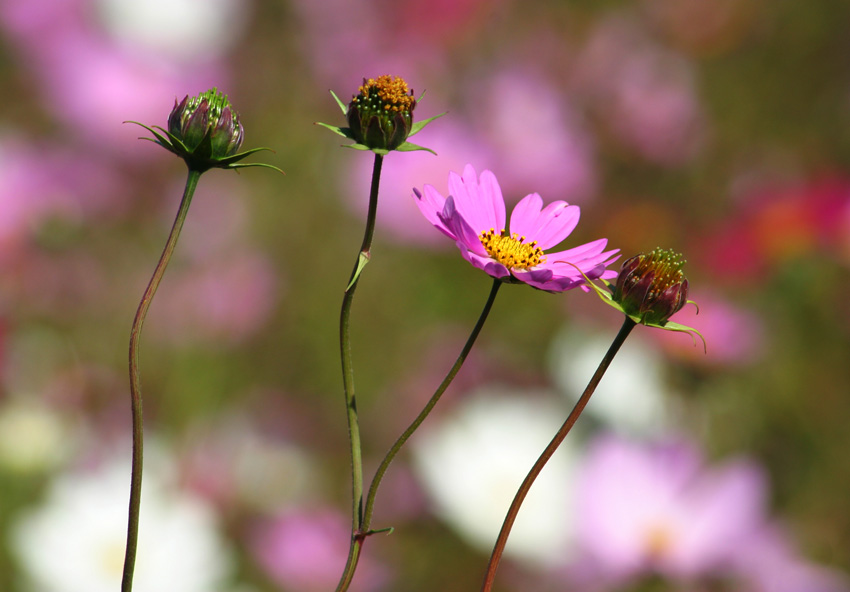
x=342, y=105
x=411, y=147
x=160, y=139
x=254, y=164
x=671, y=326
x=361, y=263
x=418, y=125
x=342, y=131
x=355, y=146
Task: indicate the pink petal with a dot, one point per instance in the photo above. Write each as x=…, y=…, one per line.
x=482, y=206
x=460, y=228
x=548, y=226
x=577, y=254
x=431, y=204
x=492, y=267
x=490, y=187
x=555, y=284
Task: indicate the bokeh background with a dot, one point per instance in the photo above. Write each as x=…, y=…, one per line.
x=718, y=129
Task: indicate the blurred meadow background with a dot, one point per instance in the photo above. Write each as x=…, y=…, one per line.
x=718, y=129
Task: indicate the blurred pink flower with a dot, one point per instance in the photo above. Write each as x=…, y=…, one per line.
x=223, y=301
x=644, y=94
x=345, y=41
x=535, y=137
x=398, y=216
x=38, y=182
x=734, y=335
x=305, y=550
x=93, y=83
x=772, y=565
x=441, y=21
x=474, y=217
x=658, y=509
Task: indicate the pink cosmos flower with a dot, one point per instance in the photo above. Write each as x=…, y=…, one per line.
x=473, y=215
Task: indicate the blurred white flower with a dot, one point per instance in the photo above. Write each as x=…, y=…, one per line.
x=472, y=463
x=74, y=542
x=631, y=397
x=32, y=438
x=190, y=29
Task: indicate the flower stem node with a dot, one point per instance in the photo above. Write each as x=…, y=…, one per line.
x=205, y=132
x=380, y=116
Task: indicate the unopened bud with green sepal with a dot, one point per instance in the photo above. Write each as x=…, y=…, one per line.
x=205, y=132
x=650, y=288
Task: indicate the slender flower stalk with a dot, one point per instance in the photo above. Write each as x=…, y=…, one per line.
x=206, y=133
x=649, y=289
x=507, y=525
x=396, y=447
x=135, y=384
x=380, y=119
x=363, y=258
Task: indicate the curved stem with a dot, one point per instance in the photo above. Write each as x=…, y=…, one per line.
x=348, y=381
x=379, y=474
x=502, y=540
x=135, y=384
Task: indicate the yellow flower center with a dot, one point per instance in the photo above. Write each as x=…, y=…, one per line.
x=511, y=251
x=389, y=93
x=660, y=540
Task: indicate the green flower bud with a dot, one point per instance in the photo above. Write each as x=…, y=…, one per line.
x=207, y=114
x=652, y=287
x=205, y=132
x=380, y=116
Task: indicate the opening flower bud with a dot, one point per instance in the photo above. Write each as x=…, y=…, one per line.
x=651, y=287
x=208, y=114
x=380, y=116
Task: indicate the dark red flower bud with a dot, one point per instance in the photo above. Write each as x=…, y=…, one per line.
x=652, y=287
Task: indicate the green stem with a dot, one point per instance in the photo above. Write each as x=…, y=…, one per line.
x=502, y=540
x=135, y=384
x=379, y=474
x=348, y=382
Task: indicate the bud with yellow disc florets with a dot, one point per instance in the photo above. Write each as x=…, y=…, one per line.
x=380, y=116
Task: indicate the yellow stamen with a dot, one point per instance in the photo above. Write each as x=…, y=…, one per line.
x=511, y=251
x=391, y=93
